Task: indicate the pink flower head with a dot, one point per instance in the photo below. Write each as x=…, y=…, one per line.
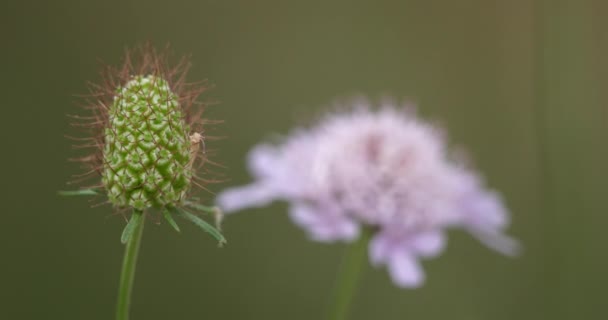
x=384, y=170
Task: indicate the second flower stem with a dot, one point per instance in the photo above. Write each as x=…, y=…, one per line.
x=348, y=278
x=128, y=269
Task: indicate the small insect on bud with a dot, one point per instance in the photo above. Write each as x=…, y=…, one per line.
x=196, y=139
x=146, y=136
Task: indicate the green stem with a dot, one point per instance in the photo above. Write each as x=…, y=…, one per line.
x=348, y=278
x=128, y=269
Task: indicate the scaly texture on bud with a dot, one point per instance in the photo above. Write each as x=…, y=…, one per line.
x=147, y=149
x=145, y=132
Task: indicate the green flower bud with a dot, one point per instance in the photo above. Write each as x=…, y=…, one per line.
x=147, y=147
x=145, y=141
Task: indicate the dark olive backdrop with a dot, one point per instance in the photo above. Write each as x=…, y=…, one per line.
x=517, y=83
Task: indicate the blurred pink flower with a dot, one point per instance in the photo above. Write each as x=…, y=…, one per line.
x=385, y=170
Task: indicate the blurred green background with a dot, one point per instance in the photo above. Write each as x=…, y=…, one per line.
x=516, y=83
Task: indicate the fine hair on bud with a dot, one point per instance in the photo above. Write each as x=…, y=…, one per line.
x=146, y=135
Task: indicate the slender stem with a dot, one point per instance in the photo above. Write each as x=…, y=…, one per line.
x=128, y=270
x=348, y=278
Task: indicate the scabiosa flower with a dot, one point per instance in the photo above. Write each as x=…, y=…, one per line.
x=383, y=170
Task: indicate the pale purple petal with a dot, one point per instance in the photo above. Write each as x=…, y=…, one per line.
x=485, y=209
x=253, y=195
x=485, y=219
x=380, y=248
x=428, y=244
x=322, y=226
x=263, y=160
x=405, y=270
x=401, y=251
x=497, y=241
x=303, y=215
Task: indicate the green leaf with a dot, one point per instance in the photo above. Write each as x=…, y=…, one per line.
x=169, y=219
x=202, y=224
x=133, y=223
x=218, y=215
x=206, y=209
x=83, y=192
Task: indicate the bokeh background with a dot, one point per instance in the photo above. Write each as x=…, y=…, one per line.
x=518, y=84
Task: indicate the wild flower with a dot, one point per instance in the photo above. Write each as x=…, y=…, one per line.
x=385, y=171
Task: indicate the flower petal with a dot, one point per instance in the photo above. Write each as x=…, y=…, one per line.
x=323, y=226
x=485, y=219
x=428, y=244
x=253, y=195
x=497, y=241
x=379, y=249
x=303, y=215
x=487, y=210
x=263, y=160
x=405, y=270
